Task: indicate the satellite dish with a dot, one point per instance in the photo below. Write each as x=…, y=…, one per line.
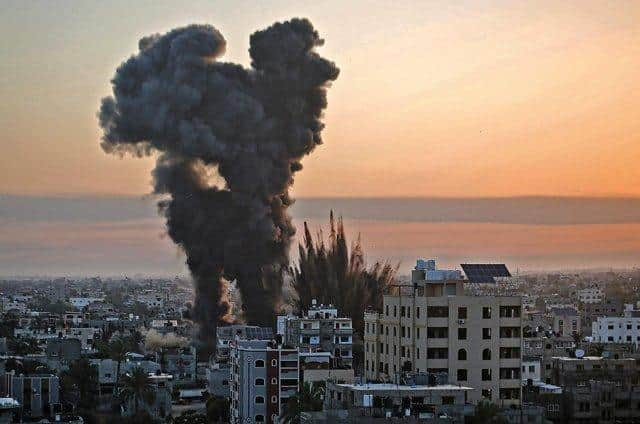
x=579, y=353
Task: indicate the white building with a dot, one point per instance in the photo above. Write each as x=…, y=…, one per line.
x=531, y=369
x=624, y=329
x=591, y=295
x=81, y=302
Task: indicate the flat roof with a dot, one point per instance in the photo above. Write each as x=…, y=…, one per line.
x=402, y=387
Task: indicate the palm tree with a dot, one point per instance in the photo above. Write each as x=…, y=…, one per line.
x=333, y=273
x=137, y=387
x=117, y=351
x=82, y=380
x=309, y=399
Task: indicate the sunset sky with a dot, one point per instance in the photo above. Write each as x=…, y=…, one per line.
x=437, y=98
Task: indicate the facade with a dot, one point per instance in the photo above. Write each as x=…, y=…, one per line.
x=590, y=312
x=37, y=394
x=180, y=362
x=591, y=295
x=531, y=368
x=264, y=376
x=433, y=327
x=599, y=389
x=381, y=401
x=320, y=330
x=617, y=330
x=566, y=321
x=227, y=334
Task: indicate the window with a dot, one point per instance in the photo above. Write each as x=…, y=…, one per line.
x=462, y=313
x=417, y=353
x=486, y=393
x=462, y=355
x=486, y=374
x=395, y=311
x=259, y=399
x=462, y=375
x=448, y=400
x=259, y=418
x=486, y=355
x=259, y=381
x=462, y=334
x=259, y=363
x=274, y=362
x=386, y=310
x=417, y=332
x=418, y=312
x=486, y=333
x=402, y=311
x=274, y=399
x=486, y=312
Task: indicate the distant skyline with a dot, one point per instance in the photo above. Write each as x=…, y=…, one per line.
x=462, y=99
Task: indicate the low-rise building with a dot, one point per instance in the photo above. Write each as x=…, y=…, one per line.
x=591, y=295
x=37, y=394
x=599, y=389
x=382, y=401
x=180, y=362
x=320, y=329
x=566, y=321
x=625, y=329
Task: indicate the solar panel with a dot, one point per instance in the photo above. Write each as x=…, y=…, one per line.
x=485, y=273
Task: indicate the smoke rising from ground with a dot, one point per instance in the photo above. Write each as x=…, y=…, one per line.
x=153, y=340
x=250, y=126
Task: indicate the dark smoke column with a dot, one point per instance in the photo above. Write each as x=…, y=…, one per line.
x=249, y=126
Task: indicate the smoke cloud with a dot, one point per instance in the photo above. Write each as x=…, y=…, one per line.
x=248, y=126
x=153, y=340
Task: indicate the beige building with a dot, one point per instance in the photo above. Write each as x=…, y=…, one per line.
x=432, y=326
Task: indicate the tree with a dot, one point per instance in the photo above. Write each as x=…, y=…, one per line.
x=309, y=399
x=217, y=409
x=137, y=388
x=331, y=273
x=190, y=417
x=117, y=350
x=81, y=382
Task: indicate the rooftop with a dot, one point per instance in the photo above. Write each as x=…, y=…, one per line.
x=402, y=387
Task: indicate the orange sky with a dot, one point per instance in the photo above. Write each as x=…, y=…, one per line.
x=478, y=98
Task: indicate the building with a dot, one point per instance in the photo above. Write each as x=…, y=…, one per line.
x=318, y=367
x=180, y=362
x=37, y=394
x=531, y=368
x=590, y=312
x=373, y=402
x=160, y=407
x=566, y=321
x=264, y=376
x=599, y=389
x=432, y=326
x=81, y=302
x=227, y=334
x=624, y=329
x=591, y=295
x=320, y=329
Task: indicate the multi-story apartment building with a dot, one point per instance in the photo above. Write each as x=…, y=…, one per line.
x=590, y=312
x=432, y=326
x=264, y=376
x=37, y=394
x=599, y=390
x=591, y=295
x=624, y=329
x=566, y=320
x=320, y=330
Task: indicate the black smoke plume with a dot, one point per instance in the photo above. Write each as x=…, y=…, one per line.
x=249, y=126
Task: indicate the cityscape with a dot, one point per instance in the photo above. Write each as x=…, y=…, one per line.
x=293, y=212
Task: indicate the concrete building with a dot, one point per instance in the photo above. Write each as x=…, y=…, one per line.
x=180, y=362
x=264, y=376
x=591, y=295
x=37, y=394
x=320, y=329
x=374, y=402
x=160, y=407
x=566, y=321
x=432, y=326
x=531, y=369
x=590, y=312
x=599, y=389
x=318, y=367
x=624, y=329
x=227, y=334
